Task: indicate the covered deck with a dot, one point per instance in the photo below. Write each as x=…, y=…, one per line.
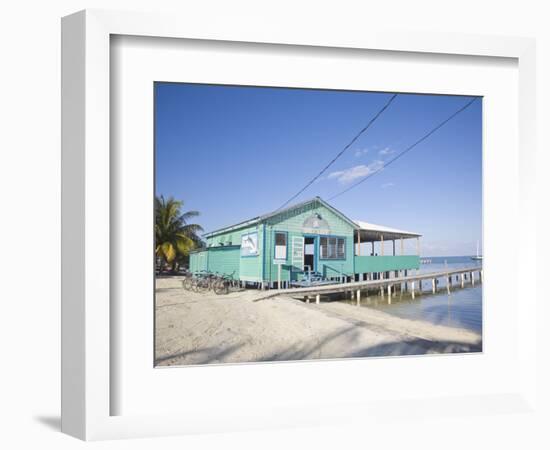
x=373, y=259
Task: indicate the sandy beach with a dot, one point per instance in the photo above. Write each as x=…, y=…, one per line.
x=204, y=328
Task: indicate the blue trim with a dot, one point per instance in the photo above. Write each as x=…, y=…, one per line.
x=315, y=250
x=338, y=237
x=263, y=253
x=274, y=232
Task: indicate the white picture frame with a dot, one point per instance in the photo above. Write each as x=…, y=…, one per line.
x=88, y=319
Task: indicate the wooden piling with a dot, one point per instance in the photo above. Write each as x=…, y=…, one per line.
x=433, y=285
x=462, y=280
x=412, y=289
x=318, y=299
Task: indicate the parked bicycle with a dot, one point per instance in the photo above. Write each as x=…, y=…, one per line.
x=224, y=284
x=187, y=281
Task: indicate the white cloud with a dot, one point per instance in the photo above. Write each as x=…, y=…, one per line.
x=360, y=171
x=360, y=152
x=387, y=185
x=386, y=151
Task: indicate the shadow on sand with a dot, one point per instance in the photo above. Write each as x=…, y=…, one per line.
x=206, y=355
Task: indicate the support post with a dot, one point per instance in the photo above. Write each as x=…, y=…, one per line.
x=448, y=287
x=393, y=246
x=359, y=242
x=412, y=289
x=472, y=275
x=481, y=276
x=433, y=285
x=382, y=245
x=462, y=280
x=358, y=297
x=279, y=277
x=318, y=299
x=402, y=247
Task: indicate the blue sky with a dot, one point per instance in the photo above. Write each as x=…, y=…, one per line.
x=233, y=153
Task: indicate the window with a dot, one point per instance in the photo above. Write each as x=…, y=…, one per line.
x=332, y=247
x=280, y=245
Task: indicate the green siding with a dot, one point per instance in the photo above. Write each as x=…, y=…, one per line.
x=292, y=222
x=366, y=264
x=197, y=261
x=224, y=260
x=250, y=267
x=223, y=253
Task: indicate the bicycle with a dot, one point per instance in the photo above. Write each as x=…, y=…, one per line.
x=187, y=281
x=204, y=282
x=224, y=284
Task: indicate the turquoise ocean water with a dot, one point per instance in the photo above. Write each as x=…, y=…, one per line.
x=463, y=308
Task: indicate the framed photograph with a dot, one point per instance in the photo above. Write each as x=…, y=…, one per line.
x=267, y=229
x=232, y=295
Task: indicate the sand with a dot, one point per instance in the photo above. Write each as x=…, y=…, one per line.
x=204, y=328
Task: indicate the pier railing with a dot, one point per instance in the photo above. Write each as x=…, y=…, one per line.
x=378, y=263
x=466, y=275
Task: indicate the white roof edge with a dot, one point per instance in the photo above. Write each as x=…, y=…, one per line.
x=383, y=229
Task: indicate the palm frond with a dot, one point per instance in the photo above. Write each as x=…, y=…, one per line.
x=173, y=235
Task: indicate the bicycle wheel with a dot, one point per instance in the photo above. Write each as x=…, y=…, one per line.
x=202, y=285
x=187, y=283
x=221, y=287
x=195, y=284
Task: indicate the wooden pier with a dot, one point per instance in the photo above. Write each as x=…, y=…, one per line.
x=460, y=277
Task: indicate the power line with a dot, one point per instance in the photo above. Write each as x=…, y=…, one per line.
x=423, y=138
x=378, y=114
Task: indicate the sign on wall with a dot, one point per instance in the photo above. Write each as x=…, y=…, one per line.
x=316, y=224
x=249, y=244
x=298, y=252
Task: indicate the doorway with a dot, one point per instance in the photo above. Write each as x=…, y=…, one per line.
x=309, y=254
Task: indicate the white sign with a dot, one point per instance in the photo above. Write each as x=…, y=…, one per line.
x=298, y=252
x=249, y=244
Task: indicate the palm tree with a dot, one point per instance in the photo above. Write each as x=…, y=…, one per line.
x=174, y=236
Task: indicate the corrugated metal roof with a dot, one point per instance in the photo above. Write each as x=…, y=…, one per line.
x=276, y=213
x=366, y=226
x=357, y=224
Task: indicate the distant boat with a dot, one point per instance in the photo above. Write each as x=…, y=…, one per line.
x=478, y=257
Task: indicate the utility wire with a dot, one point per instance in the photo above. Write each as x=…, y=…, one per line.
x=378, y=114
x=408, y=149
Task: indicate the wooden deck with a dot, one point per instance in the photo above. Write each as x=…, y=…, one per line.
x=413, y=283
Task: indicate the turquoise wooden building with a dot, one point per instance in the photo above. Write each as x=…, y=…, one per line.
x=309, y=236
